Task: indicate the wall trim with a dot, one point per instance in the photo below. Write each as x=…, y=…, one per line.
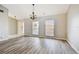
x=60, y=38
x=72, y=46
x=12, y=37
x=46, y=37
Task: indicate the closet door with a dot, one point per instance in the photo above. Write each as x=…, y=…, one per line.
x=49, y=27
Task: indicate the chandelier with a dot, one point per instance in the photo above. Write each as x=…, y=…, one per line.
x=33, y=17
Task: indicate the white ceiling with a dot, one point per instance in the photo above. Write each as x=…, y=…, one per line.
x=22, y=11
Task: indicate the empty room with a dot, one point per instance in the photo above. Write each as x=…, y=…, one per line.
x=39, y=28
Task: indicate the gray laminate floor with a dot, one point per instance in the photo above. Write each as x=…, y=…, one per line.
x=34, y=45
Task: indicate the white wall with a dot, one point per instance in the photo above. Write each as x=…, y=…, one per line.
x=12, y=26
x=73, y=26
x=28, y=27
x=3, y=22
x=60, y=25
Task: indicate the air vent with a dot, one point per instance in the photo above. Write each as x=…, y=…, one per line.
x=1, y=11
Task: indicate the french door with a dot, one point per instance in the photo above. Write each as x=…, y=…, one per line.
x=49, y=27
x=35, y=28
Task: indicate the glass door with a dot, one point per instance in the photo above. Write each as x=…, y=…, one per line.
x=49, y=27
x=35, y=28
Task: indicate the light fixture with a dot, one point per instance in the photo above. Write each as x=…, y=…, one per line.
x=33, y=17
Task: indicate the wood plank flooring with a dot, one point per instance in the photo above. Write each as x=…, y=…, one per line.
x=34, y=45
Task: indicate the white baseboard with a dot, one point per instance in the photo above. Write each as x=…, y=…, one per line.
x=60, y=38
x=50, y=37
x=12, y=37
x=73, y=46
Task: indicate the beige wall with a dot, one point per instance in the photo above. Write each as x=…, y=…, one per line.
x=12, y=26
x=20, y=27
x=3, y=22
x=60, y=25
x=73, y=26
x=15, y=26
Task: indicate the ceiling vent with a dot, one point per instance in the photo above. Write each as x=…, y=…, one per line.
x=1, y=11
